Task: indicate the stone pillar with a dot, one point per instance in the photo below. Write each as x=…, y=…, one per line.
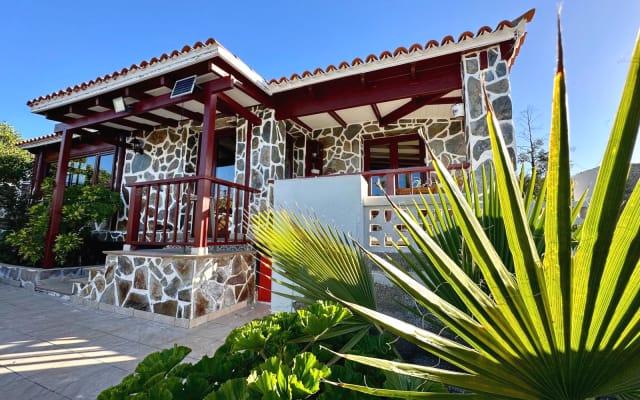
x=487, y=64
x=267, y=157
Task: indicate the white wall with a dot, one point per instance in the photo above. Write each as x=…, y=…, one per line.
x=335, y=199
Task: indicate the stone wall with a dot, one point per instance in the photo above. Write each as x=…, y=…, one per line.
x=496, y=77
x=344, y=147
x=28, y=277
x=184, y=287
x=268, y=149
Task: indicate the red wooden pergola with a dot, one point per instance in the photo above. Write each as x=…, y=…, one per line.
x=80, y=118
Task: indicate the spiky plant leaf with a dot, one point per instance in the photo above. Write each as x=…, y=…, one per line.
x=566, y=323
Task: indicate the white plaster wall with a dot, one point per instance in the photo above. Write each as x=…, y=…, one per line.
x=336, y=200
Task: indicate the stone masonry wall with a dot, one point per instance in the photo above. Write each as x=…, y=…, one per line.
x=177, y=286
x=496, y=77
x=267, y=157
x=344, y=147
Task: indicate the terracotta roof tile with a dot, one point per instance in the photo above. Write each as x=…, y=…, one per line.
x=124, y=71
x=38, y=139
x=528, y=16
x=318, y=71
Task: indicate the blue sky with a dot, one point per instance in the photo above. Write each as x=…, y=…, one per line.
x=49, y=45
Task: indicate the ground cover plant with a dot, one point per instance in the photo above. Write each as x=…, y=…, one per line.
x=277, y=357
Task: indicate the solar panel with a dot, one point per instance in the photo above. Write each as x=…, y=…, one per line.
x=183, y=86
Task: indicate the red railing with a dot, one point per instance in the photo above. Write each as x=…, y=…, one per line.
x=162, y=212
x=406, y=180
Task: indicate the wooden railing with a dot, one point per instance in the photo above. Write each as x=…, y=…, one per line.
x=162, y=212
x=406, y=180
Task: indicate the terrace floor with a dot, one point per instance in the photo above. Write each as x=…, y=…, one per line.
x=52, y=348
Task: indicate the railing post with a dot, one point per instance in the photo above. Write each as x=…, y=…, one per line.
x=133, y=218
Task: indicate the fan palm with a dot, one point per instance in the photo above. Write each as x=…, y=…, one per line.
x=565, y=324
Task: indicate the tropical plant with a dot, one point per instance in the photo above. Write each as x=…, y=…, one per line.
x=565, y=324
x=306, y=253
x=481, y=194
x=277, y=357
x=84, y=205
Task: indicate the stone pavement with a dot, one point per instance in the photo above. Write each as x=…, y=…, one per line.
x=51, y=348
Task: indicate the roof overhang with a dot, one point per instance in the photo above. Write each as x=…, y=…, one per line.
x=465, y=45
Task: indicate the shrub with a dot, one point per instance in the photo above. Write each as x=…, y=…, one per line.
x=84, y=206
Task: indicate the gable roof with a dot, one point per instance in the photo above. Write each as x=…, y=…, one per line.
x=209, y=56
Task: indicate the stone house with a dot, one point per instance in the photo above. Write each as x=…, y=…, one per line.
x=196, y=141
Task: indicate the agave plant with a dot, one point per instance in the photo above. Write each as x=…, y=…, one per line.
x=565, y=324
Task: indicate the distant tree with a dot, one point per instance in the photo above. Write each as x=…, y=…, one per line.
x=15, y=163
x=533, y=153
x=15, y=168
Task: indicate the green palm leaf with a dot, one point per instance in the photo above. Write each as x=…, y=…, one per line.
x=564, y=325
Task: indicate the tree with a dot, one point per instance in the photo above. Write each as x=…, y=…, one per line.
x=15, y=163
x=533, y=154
x=15, y=167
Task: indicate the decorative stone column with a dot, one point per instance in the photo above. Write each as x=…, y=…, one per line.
x=487, y=64
x=267, y=157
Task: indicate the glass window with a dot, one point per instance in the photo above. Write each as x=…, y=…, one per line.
x=105, y=169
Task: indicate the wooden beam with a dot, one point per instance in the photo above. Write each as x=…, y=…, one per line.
x=407, y=108
x=249, y=88
x=158, y=120
x=348, y=92
x=337, y=118
x=55, y=214
x=376, y=112
x=185, y=113
x=302, y=124
x=240, y=110
x=143, y=106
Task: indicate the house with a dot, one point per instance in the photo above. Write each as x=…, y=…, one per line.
x=196, y=141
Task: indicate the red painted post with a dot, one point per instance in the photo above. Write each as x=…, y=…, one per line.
x=133, y=218
x=55, y=216
x=206, y=158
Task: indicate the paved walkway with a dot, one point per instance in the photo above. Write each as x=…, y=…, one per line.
x=53, y=349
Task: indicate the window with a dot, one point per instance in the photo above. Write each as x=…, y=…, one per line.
x=394, y=153
x=82, y=170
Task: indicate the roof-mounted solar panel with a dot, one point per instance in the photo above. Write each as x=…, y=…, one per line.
x=184, y=86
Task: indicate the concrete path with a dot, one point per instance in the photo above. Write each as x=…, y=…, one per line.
x=51, y=348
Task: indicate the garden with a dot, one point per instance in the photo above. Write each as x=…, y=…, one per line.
x=517, y=300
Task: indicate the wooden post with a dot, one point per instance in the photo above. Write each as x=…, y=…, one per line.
x=206, y=157
x=55, y=216
x=133, y=218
